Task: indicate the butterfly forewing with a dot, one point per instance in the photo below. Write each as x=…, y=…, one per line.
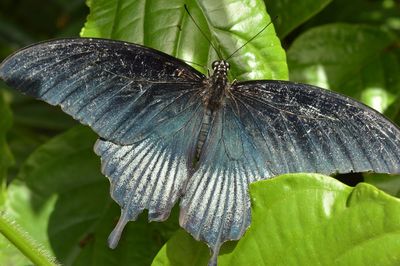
x=301, y=128
x=115, y=87
x=144, y=104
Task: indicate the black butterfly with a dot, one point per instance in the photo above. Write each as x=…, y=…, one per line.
x=169, y=132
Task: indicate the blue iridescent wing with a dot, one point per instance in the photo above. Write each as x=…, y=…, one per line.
x=216, y=207
x=144, y=104
x=114, y=87
x=302, y=128
x=266, y=128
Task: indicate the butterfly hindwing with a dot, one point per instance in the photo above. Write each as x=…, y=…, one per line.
x=216, y=204
x=116, y=88
x=151, y=173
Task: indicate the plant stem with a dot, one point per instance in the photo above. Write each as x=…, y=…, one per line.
x=20, y=240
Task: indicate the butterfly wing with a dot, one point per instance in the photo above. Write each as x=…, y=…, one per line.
x=116, y=88
x=151, y=173
x=144, y=104
x=302, y=128
x=216, y=206
x=266, y=128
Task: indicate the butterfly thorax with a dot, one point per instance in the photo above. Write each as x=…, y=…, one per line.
x=217, y=84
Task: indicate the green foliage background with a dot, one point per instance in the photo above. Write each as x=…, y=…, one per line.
x=50, y=180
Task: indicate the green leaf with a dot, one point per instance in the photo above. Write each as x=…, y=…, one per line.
x=353, y=59
x=166, y=26
x=292, y=14
x=30, y=113
x=305, y=219
x=388, y=183
x=62, y=200
x=34, y=123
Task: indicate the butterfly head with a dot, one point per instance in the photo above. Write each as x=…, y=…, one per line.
x=220, y=66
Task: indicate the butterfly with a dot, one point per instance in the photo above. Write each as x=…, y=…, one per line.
x=168, y=132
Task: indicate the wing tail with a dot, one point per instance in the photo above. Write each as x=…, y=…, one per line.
x=216, y=207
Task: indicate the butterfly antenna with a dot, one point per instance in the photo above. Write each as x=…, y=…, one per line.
x=205, y=36
x=194, y=63
x=252, y=38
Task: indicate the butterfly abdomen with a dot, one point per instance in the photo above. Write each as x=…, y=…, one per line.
x=205, y=127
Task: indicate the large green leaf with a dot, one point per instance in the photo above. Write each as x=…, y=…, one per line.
x=352, y=59
x=305, y=219
x=167, y=27
x=291, y=14
x=388, y=183
x=63, y=203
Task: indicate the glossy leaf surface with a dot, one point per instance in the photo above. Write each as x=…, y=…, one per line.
x=166, y=27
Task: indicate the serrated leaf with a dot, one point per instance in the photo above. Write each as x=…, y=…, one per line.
x=305, y=219
x=166, y=26
x=353, y=59
x=63, y=202
x=291, y=14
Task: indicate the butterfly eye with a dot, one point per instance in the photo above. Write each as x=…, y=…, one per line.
x=214, y=65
